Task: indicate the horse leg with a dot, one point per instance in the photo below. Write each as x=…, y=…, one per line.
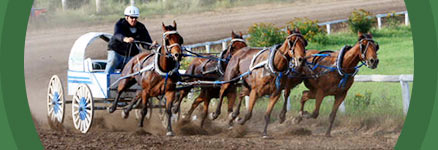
x=206, y=103
x=306, y=96
x=144, y=111
x=170, y=95
x=243, y=93
x=195, y=104
x=252, y=100
x=274, y=98
x=123, y=85
x=319, y=97
x=339, y=98
x=231, y=100
x=223, y=91
x=284, y=108
x=182, y=94
x=125, y=112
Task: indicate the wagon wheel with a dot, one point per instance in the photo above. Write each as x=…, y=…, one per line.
x=83, y=108
x=55, y=100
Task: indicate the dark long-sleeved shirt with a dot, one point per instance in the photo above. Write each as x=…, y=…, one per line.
x=122, y=29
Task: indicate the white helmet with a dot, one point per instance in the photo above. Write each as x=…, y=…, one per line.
x=132, y=11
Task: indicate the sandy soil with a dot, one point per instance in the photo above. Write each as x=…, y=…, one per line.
x=47, y=50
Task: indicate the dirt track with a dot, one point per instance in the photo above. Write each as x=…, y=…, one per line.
x=46, y=54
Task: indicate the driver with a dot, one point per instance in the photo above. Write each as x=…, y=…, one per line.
x=121, y=47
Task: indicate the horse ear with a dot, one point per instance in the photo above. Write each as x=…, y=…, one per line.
x=288, y=30
x=241, y=34
x=370, y=35
x=174, y=24
x=233, y=35
x=359, y=34
x=297, y=30
x=163, y=26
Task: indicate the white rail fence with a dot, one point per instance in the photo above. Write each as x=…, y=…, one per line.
x=404, y=80
x=379, y=17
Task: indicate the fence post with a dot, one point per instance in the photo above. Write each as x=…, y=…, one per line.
x=328, y=28
x=64, y=4
x=207, y=48
x=406, y=18
x=224, y=45
x=98, y=4
x=406, y=95
x=379, y=22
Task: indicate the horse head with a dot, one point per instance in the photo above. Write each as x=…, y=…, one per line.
x=297, y=46
x=368, y=50
x=237, y=42
x=172, y=41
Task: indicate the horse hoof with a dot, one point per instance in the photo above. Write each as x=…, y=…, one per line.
x=195, y=118
x=235, y=114
x=237, y=120
x=169, y=134
x=266, y=137
x=241, y=121
x=125, y=114
x=282, y=120
x=111, y=109
x=213, y=116
x=305, y=114
x=297, y=120
x=175, y=110
x=185, y=116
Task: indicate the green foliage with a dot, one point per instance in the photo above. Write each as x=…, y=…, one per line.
x=392, y=20
x=360, y=20
x=310, y=29
x=360, y=101
x=265, y=34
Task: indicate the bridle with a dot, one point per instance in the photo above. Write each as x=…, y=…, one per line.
x=219, y=64
x=364, y=48
x=167, y=47
x=291, y=46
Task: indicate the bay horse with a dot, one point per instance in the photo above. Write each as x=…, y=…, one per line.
x=263, y=72
x=212, y=70
x=335, y=74
x=157, y=74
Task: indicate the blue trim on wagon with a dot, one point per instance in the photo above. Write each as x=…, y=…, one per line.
x=76, y=77
x=76, y=81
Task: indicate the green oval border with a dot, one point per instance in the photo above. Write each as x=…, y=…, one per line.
x=420, y=130
x=18, y=132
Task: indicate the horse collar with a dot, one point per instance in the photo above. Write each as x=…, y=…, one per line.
x=161, y=72
x=340, y=60
x=271, y=60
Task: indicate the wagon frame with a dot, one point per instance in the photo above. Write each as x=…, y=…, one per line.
x=88, y=84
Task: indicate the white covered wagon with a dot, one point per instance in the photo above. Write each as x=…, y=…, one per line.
x=87, y=83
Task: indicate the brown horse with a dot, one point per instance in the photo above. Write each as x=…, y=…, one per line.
x=157, y=74
x=212, y=70
x=265, y=71
x=338, y=74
